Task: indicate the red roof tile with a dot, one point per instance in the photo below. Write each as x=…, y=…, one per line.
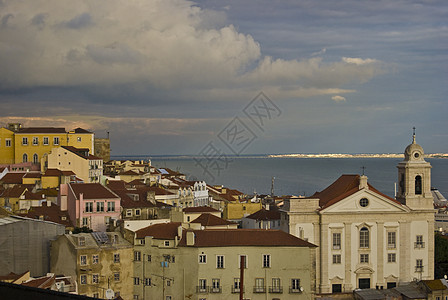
x=51, y=213
x=15, y=191
x=80, y=130
x=41, y=130
x=264, y=214
x=13, y=178
x=92, y=191
x=166, y=231
x=211, y=220
x=42, y=282
x=243, y=237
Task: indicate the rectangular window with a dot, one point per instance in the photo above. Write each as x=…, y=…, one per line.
x=295, y=284
x=83, y=279
x=129, y=213
x=85, y=221
x=148, y=257
x=336, y=288
x=236, y=285
x=167, y=243
x=391, y=257
x=202, y=258
x=259, y=285
x=83, y=260
x=137, y=212
x=81, y=241
x=276, y=286
x=136, y=281
x=89, y=207
x=110, y=206
x=116, y=258
x=220, y=261
x=100, y=206
x=137, y=256
x=35, y=141
x=216, y=285
x=95, y=259
x=147, y=281
x=56, y=141
x=336, y=258
x=419, y=242
x=45, y=140
x=266, y=260
x=8, y=142
x=202, y=288
x=364, y=258
x=419, y=265
x=242, y=257
x=336, y=241
x=25, y=141
x=364, y=238
x=95, y=278
x=391, y=240
x=117, y=276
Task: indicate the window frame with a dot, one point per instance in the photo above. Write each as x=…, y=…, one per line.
x=137, y=255
x=116, y=258
x=220, y=262
x=266, y=261
x=391, y=239
x=336, y=240
x=364, y=258
x=364, y=238
x=83, y=260
x=45, y=141
x=202, y=258
x=391, y=257
x=95, y=259
x=337, y=259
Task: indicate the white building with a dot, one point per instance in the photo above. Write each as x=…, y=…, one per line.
x=367, y=239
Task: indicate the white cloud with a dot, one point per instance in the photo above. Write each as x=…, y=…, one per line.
x=168, y=45
x=338, y=98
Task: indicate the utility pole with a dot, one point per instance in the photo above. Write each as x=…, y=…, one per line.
x=242, y=265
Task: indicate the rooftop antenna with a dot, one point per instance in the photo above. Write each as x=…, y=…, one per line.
x=363, y=170
x=108, y=134
x=272, y=186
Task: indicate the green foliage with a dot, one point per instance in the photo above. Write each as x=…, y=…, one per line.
x=83, y=229
x=440, y=255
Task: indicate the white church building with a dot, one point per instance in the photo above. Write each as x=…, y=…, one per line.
x=366, y=239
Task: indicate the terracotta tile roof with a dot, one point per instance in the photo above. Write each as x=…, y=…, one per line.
x=343, y=187
x=264, y=214
x=435, y=284
x=13, y=178
x=159, y=191
x=80, y=130
x=116, y=185
x=92, y=191
x=42, y=282
x=15, y=191
x=137, y=182
x=12, y=276
x=32, y=175
x=200, y=209
x=41, y=130
x=167, y=231
x=131, y=172
x=243, y=237
x=32, y=196
x=211, y=220
x=51, y=213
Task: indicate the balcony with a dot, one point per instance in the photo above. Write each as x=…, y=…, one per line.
x=419, y=269
x=419, y=245
x=236, y=290
x=295, y=290
x=276, y=289
x=215, y=290
x=259, y=289
x=202, y=289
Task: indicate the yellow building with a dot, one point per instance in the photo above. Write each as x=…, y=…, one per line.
x=237, y=210
x=6, y=146
x=18, y=144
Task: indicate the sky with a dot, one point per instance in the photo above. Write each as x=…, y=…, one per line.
x=240, y=77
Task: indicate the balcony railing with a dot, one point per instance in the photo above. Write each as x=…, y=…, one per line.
x=215, y=290
x=202, y=289
x=419, y=269
x=259, y=289
x=294, y=290
x=419, y=245
x=275, y=289
x=236, y=290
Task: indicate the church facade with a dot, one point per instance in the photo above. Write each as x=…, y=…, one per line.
x=365, y=238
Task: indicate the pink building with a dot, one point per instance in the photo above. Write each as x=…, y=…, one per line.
x=89, y=204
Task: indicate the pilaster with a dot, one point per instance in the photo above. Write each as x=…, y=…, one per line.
x=348, y=286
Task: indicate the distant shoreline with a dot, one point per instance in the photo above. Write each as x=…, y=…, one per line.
x=292, y=155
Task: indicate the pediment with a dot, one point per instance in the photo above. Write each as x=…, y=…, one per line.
x=364, y=270
x=372, y=203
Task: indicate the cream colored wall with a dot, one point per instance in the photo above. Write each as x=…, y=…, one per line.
x=64, y=160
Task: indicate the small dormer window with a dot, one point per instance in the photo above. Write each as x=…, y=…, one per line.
x=167, y=243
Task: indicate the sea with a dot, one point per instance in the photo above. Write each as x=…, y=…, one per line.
x=292, y=176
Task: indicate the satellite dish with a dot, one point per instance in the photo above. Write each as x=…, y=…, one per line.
x=109, y=294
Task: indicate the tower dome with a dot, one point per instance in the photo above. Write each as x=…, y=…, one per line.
x=414, y=152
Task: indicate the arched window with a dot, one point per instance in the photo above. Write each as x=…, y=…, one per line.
x=25, y=157
x=364, y=238
x=35, y=158
x=418, y=185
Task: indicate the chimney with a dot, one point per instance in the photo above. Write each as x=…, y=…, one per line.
x=48, y=203
x=179, y=232
x=190, y=238
x=363, y=182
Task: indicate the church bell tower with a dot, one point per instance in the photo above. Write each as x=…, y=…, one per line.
x=414, y=178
